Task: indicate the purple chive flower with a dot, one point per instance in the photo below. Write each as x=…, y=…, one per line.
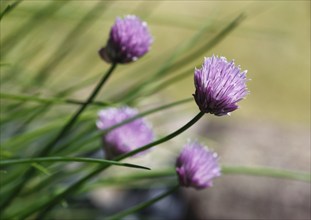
x=219, y=86
x=196, y=166
x=129, y=39
x=126, y=137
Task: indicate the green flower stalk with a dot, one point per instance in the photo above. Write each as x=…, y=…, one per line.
x=219, y=86
x=47, y=149
x=129, y=40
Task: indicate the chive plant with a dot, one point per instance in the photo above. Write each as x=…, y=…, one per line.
x=45, y=132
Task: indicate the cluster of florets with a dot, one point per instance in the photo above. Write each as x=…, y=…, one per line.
x=129, y=40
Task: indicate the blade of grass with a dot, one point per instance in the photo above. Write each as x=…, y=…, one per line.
x=168, y=82
x=41, y=168
x=74, y=118
x=267, y=172
x=163, y=139
x=68, y=159
x=203, y=49
x=140, y=85
x=126, y=179
x=46, y=150
x=9, y=8
x=39, y=17
x=143, y=205
x=158, y=109
x=22, y=139
x=25, y=138
x=157, y=87
x=145, y=8
x=226, y=170
x=147, y=113
x=19, y=97
x=80, y=142
x=13, y=111
x=140, y=115
x=69, y=41
x=83, y=180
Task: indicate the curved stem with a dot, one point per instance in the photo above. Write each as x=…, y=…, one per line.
x=164, y=139
x=50, y=204
x=140, y=115
x=45, y=151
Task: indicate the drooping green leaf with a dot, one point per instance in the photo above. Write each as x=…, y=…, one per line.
x=34, y=161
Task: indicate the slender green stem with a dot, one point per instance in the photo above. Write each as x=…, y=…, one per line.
x=171, y=67
x=168, y=173
x=142, y=114
x=74, y=118
x=147, y=113
x=45, y=151
x=68, y=159
x=47, y=207
x=162, y=140
x=143, y=205
x=268, y=172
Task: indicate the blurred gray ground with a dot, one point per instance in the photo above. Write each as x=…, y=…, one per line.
x=246, y=197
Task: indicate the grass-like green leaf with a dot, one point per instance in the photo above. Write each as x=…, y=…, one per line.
x=36, y=99
x=68, y=159
x=38, y=18
x=132, y=178
x=38, y=167
x=141, y=206
x=268, y=172
x=9, y=8
x=226, y=170
x=73, y=188
x=93, y=136
x=69, y=41
x=170, y=66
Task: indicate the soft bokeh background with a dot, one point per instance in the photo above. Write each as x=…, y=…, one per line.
x=48, y=46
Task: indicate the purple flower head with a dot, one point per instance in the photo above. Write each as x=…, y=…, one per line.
x=196, y=166
x=129, y=39
x=126, y=137
x=219, y=86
